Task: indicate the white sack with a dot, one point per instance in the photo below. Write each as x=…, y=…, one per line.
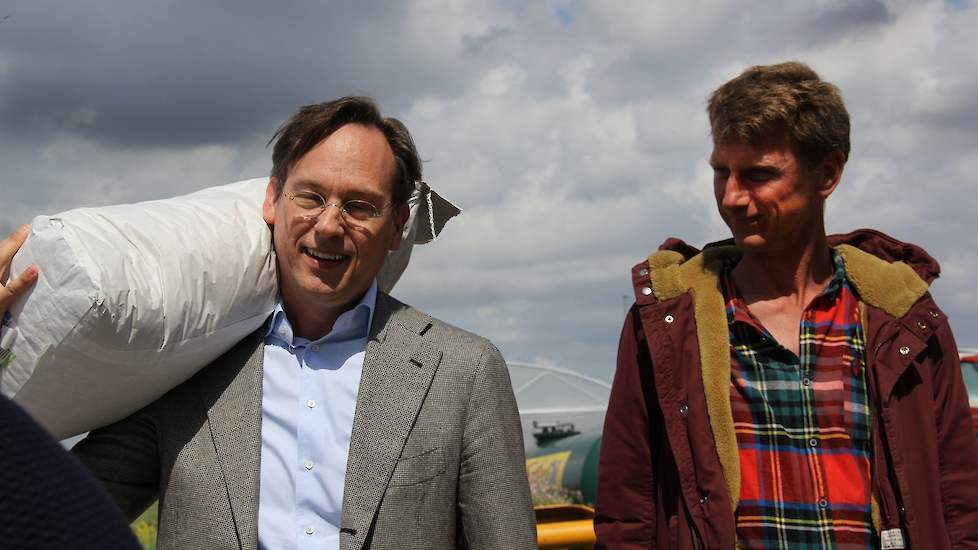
x=134, y=299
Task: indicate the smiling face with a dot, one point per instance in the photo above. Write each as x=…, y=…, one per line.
x=767, y=196
x=326, y=263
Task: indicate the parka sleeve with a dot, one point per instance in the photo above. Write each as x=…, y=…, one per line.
x=957, y=445
x=625, y=509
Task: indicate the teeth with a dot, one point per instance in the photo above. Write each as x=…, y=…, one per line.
x=323, y=256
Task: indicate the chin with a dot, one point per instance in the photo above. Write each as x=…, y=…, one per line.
x=751, y=243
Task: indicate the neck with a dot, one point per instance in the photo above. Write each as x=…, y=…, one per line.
x=799, y=272
x=311, y=325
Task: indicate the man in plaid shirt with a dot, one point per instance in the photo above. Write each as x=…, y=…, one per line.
x=786, y=388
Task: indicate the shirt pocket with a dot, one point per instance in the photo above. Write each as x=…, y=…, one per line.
x=418, y=469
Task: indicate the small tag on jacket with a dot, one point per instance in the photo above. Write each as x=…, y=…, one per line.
x=892, y=539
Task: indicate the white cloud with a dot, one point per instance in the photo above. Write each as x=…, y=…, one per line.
x=573, y=134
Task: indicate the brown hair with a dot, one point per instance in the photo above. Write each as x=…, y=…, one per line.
x=788, y=96
x=314, y=123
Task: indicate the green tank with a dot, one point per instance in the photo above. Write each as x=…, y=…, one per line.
x=563, y=465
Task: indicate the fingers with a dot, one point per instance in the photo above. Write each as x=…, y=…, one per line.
x=10, y=246
x=16, y=286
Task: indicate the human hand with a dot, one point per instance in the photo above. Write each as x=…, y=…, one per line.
x=16, y=286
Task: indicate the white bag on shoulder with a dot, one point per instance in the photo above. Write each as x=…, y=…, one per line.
x=134, y=299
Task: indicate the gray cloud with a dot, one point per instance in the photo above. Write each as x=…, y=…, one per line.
x=572, y=133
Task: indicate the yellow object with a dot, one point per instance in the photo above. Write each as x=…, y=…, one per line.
x=569, y=527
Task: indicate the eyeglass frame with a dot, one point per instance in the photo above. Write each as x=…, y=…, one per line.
x=345, y=214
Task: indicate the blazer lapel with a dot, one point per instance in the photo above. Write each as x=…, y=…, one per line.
x=231, y=391
x=397, y=370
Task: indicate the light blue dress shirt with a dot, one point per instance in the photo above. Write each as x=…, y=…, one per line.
x=309, y=396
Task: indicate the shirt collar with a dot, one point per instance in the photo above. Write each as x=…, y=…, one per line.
x=352, y=323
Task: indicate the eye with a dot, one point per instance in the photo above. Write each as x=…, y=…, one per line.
x=360, y=210
x=307, y=200
x=759, y=176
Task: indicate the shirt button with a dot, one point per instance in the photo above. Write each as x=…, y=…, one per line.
x=308, y=464
x=311, y=403
x=823, y=503
x=310, y=530
x=806, y=382
x=813, y=442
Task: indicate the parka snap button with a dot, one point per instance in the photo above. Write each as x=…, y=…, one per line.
x=704, y=498
x=646, y=291
x=683, y=409
x=643, y=272
x=922, y=325
x=904, y=350
x=935, y=314
x=669, y=318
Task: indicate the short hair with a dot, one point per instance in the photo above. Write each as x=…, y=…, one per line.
x=313, y=123
x=788, y=96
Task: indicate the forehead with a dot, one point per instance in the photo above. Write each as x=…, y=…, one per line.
x=354, y=156
x=772, y=148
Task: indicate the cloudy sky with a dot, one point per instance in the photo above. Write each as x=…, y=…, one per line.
x=572, y=133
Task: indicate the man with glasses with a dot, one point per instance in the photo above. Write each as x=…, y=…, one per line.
x=351, y=420
x=786, y=388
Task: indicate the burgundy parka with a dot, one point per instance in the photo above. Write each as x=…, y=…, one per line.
x=669, y=473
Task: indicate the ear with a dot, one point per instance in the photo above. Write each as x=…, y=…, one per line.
x=830, y=173
x=400, y=220
x=271, y=197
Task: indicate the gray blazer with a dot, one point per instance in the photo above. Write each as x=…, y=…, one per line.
x=436, y=454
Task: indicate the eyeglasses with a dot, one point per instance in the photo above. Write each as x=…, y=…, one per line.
x=311, y=205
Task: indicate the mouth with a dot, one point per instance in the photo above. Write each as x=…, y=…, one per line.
x=746, y=220
x=326, y=258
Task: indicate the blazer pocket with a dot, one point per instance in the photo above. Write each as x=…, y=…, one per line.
x=418, y=469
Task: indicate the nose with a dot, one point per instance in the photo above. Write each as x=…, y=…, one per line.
x=731, y=193
x=330, y=221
